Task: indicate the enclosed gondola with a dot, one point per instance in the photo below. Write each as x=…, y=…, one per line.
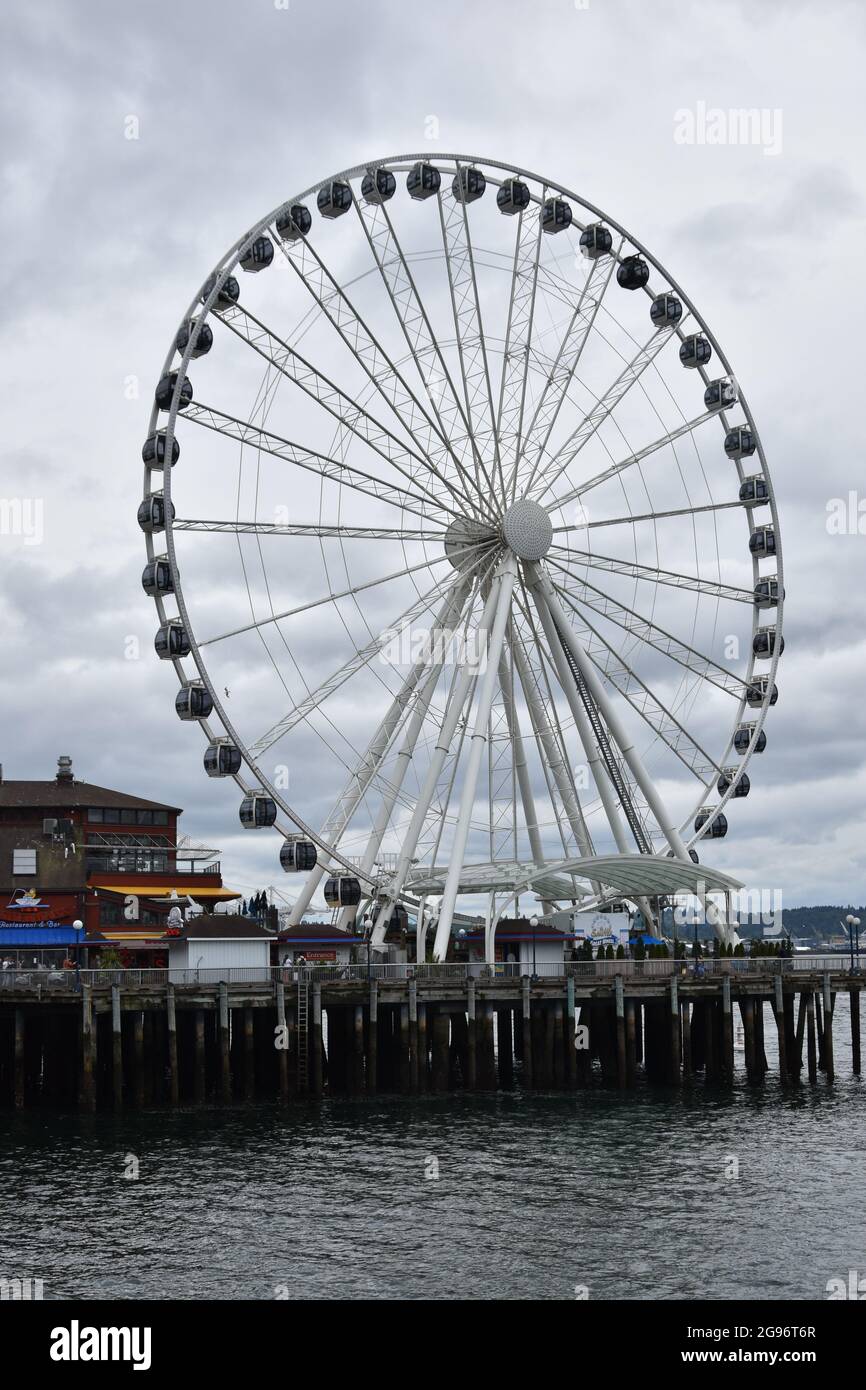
x=513, y=196
x=297, y=856
x=754, y=490
x=151, y=513
x=762, y=541
x=745, y=737
x=695, y=351
x=728, y=775
x=757, y=692
x=764, y=642
x=293, y=221
x=766, y=592
x=222, y=758
x=157, y=578
x=666, y=310
x=334, y=199
x=721, y=394
x=202, y=337
x=165, y=391
x=595, y=241
x=556, y=215
x=257, y=810
x=258, y=255
x=378, y=185
x=423, y=180
x=153, y=451
x=718, y=828
x=342, y=891
x=193, y=701
x=740, y=442
x=632, y=273
x=229, y=293
x=171, y=641
x=468, y=185
x=693, y=855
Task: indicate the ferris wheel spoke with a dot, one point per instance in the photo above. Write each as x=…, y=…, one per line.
x=654, y=574
x=650, y=516
x=349, y=592
x=616, y=468
x=518, y=339
x=328, y=469
x=561, y=374
x=352, y=418
x=469, y=332
x=580, y=592
x=603, y=408
x=550, y=744
x=313, y=528
x=316, y=698
x=651, y=709
x=548, y=598
x=379, y=368
x=422, y=343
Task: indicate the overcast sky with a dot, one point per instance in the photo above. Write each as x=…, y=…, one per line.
x=238, y=105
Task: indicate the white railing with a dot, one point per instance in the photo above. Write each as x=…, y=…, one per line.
x=457, y=972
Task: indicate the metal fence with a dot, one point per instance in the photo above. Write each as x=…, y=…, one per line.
x=70, y=981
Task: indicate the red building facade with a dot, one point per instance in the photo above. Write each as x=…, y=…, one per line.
x=71, y=851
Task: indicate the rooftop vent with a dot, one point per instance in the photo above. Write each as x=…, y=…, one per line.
x=64, y=769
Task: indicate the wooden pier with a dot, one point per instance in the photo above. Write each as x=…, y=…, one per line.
x=139, y=1038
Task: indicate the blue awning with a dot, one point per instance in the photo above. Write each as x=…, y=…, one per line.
x=39, y=936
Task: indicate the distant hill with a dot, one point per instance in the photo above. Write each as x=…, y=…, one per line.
x=819, y=923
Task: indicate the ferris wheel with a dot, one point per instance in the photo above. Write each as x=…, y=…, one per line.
x=463, y=544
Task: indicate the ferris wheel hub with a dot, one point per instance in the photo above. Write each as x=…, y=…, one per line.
x=527, y=529
x=463, y=538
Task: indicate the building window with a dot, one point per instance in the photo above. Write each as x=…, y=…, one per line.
x=160, y=817
x=94, y=813
x=144, y=817
x=24, y=861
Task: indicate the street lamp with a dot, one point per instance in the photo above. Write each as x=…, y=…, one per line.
x=853, y=924
x=78, y=928
x=533, y=922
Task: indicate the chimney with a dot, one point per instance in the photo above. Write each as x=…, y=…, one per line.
x=64, y=770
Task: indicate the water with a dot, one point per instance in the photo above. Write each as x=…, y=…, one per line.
x=624, y=1194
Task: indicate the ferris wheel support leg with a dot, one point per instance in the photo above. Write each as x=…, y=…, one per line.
x=551, y=754
x=584, y=729
x=460, y=695
x=505, y=587
x=521, y=768
x=368, y=767
x=617, y=729
x=407, y=749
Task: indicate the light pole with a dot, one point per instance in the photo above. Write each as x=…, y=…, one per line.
x=853, y=924
x=78, y=928
x=533, y=922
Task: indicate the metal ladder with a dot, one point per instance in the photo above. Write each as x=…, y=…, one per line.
x=302, y=1032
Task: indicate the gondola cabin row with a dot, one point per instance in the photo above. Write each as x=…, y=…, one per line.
x=151, y=513
x=728, y=775
x=718, y=823
x=745, y=737
x=193, y=701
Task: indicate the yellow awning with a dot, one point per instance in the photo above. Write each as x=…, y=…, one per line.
x=165, y=891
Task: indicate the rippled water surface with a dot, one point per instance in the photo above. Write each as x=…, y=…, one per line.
x=626, y=1194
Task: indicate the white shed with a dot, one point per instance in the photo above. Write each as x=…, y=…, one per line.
x=212, y=946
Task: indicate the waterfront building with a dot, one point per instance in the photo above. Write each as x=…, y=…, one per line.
x=72, y=851
x=207, y=946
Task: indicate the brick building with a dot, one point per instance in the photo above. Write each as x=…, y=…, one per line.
x=73, y=851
